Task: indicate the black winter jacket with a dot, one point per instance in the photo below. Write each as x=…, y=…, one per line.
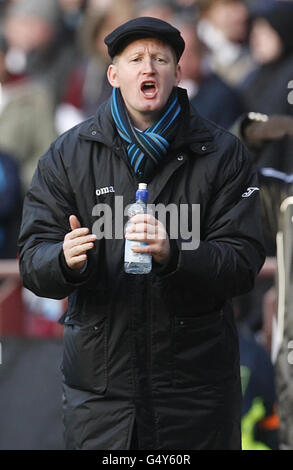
x=160, y=348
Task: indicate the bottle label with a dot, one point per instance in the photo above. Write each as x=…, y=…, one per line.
x=131, y=256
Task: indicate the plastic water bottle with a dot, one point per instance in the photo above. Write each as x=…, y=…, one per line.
x=137, y=263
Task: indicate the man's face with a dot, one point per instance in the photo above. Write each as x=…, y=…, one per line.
x=146, y=72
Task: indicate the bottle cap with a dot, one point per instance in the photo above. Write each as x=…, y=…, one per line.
x=142, y=192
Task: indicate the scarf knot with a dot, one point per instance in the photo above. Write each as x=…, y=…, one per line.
x=146, y=149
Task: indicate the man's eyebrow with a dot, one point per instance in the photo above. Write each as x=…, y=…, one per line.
x=135, y=52
x=152, y=53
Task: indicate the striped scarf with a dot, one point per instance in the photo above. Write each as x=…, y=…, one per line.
x=148, y=148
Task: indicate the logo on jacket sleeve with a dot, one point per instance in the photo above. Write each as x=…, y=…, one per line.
x=250, y=191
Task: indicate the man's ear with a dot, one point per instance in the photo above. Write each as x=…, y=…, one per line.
x=112, y=76
x=178, y=75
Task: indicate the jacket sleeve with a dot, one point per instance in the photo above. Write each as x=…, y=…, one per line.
x=45, y=222
x=230, y=252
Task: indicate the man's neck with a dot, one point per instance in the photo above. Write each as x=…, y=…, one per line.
x=143, y=123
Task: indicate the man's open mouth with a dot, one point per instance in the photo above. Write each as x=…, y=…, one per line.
x=149, y=89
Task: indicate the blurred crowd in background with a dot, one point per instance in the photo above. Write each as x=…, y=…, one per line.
x=238, y=71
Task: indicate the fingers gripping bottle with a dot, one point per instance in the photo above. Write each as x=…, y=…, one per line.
x=137, y=263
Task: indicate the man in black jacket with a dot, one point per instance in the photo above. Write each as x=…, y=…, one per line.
x=150, y=361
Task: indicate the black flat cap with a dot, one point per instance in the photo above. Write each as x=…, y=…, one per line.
x=144, y=27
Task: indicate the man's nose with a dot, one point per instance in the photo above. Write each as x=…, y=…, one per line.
x=148, y=65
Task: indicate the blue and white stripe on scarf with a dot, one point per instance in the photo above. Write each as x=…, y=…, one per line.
x=146, y=149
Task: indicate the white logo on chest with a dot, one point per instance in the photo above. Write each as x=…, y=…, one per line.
x=105, y=190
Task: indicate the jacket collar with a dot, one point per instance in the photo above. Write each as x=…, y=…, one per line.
x=193, y=132
x=100, y=127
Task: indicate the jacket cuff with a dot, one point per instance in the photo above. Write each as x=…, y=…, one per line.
x=72, y=275
x=170, y=265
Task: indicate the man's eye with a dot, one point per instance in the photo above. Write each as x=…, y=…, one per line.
x=160, y=59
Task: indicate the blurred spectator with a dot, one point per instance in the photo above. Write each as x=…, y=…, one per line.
x=262, y=132
x=123, y=8
x=72, y=13
x=266, y=89
x=37, y=47
x=224, y=27
x=185, y=5
x=26, y=117
x=10, y=205
x=88, y=86
x=210, y=95
x=277, y=200
x=260, y=422
x=71, y=18
x=259, y=132
x=162, y=9
x=277, y=213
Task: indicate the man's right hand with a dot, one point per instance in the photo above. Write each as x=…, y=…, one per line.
x=77, y=243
